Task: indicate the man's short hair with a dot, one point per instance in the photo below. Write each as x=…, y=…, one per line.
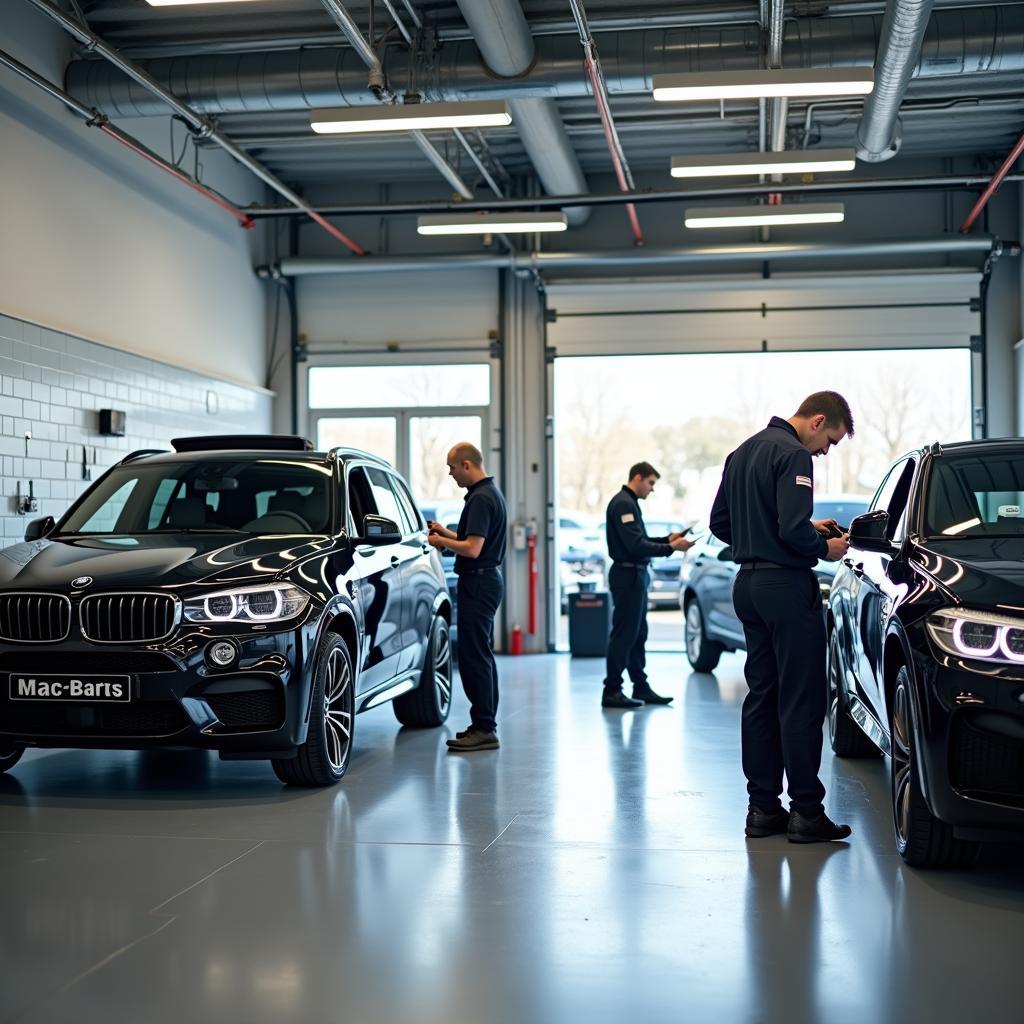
x=832, y=406
x=644, y=469
x=466, y=452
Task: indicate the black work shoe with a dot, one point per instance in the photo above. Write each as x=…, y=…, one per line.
x=648, y=696
x=465, y=732
x=761, y=824
x=619, y=700
x=815, y=830
x=473, y=740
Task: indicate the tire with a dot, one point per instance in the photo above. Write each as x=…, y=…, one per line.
x=922, y=840
x=701, y=652
x=9, y=757
x=845, y=736
x=323, y=759
x=428, y=705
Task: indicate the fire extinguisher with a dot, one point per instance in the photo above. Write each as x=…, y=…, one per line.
x=516, y=640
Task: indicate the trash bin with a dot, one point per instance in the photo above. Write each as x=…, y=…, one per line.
x=590, y=622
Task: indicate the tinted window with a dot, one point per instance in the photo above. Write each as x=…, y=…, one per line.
x=892, y=496
x=360, y=498
x=407, y=504
x=387, y=503
x=254, y=496
x=976, y=495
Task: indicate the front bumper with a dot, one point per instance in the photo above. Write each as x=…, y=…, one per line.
x=255, y=707
x=972, y=745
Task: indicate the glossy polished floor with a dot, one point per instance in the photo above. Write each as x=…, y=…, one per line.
x=593, y=869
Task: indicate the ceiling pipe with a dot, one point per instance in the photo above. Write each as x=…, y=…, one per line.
x=297, y=266
x=377, y=84
x=976, y=40
x=623, y=175
x=899, y=49
x=97, y=119
x=507, y=47
x=993, y=186
x=200, y=126
x=937, y=183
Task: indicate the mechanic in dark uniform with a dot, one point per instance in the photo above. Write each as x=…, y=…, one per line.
x=631, y=550
x=479, y=546
x=763, y=511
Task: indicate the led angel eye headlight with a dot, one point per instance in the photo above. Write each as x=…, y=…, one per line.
x=976, y=639
x=221, y=607
x=264, y=604
x=982, y=636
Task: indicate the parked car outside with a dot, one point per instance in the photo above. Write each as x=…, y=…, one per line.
x=582, y=555
x=926, y=647
x=663, y=591
x=240, y=594
x=706, y=579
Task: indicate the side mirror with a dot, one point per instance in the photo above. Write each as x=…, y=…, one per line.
x=39, y=528
x=725, y=555
x=870, y=532
x=380, y=530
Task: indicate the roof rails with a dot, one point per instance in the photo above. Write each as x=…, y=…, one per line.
x=139, y=452
x=340, y=450
x=935, y=449
x=243, y=442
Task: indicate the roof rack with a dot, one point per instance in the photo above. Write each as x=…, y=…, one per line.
x=341, y=449
x=139, y=452
x=243, y=442
x=935, y=449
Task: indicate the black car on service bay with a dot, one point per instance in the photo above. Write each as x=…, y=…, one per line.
x=242, y=594
x=926, y=646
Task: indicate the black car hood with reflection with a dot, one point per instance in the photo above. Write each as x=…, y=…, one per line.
x=153, y=560
x=985, y=572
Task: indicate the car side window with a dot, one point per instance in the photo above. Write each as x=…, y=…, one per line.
x=360, y=498
x=892, y=497
x=412, y=517
x=387, y=503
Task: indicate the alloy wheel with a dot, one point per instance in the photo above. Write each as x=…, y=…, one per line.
x=338, y=709
x=443, y=667
x=901, y=764
x=693, y=630
x=833, y=688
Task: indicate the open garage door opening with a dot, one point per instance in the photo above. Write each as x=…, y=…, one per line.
x=685, y=413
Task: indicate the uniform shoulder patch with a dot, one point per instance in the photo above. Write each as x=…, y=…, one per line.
x=805, y=481
x=628, y=517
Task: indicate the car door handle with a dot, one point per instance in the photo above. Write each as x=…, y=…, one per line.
x=395, y=559
x=365, y=550
x=425, y=548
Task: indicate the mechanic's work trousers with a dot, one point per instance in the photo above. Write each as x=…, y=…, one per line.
x=628, y=641
x=480, y=593
x=784, y=711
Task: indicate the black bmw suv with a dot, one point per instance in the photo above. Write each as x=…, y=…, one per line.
x=243, y=594
x=926, y=646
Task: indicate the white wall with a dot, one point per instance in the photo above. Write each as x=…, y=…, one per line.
x=97, y=243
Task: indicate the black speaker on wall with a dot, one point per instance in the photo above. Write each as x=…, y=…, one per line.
x=112, y=422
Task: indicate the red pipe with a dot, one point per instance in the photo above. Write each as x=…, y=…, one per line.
x=606, y=124
x=339, y=235
x=244, y=219
x=993, y=186
x=531, y=546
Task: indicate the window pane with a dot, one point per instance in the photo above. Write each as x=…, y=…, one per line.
x=387, y=503
x=402, y=387
x=375, y=434
x=430, y=440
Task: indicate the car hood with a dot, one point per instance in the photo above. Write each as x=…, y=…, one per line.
x=150, y=561
x=982, y=572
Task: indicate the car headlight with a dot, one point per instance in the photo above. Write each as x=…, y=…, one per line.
x=983, y=636
x=248, y=604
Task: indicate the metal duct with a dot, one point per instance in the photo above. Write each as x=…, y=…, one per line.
x=296, y=266
x=957, y=42
x=506, y=45
x=878, y=135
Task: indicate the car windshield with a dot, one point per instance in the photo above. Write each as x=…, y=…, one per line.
x=270, y=496
x=976, y=495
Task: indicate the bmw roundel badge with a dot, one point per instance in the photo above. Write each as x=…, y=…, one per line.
x=81, y=581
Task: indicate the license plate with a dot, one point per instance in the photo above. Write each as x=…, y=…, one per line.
x=24, y=686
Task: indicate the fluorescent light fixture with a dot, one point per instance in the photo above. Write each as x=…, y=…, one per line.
x=190, y=3
x=410, y=116
x=731, y=85
x=723, y=165
x=770, y=216
x=490, y=223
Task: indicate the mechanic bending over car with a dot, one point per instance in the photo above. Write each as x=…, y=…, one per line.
x=763, y=511
x=479, y=546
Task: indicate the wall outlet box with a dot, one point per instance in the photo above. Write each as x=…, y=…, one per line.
x=112, y=422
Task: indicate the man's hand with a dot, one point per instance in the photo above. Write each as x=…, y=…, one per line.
x=680, y=543
x=826, y=526
x=837, y=547
x=436, y=541
x=435, y=527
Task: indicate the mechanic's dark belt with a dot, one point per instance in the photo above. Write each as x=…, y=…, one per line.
x=770, y=565
x=475, y=572
x=632, y=565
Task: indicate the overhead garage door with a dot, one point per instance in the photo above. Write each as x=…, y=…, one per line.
x=786, y=312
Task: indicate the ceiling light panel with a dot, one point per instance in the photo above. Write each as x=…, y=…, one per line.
x=769, y=216
x=727, y=85
x=410, y=116
x=192, y=3
x=801, y=161
x=490, y=224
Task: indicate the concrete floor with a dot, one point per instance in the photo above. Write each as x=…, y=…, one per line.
x=593, y=869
